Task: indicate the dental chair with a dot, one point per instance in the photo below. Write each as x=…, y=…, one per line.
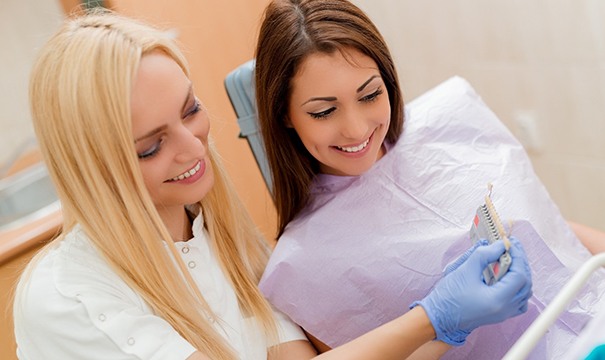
x=240, y=87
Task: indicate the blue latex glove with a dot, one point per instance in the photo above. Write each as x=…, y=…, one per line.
x=460, y=260
x=461, y=301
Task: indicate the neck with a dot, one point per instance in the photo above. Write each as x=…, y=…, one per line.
x=187, y=227
x=178, y=223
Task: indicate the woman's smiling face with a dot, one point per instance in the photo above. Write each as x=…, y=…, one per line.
x=339, y=107
x=170, y=128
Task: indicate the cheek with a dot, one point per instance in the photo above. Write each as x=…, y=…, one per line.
x=299, y=126
x=384, y=109
x=147, y=178
x=318, y=140
x=151, y=176
x=307, y=132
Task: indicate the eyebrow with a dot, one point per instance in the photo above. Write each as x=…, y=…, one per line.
x=328, y=98
x=333, y=98
x=163, y=127
x=367, y=82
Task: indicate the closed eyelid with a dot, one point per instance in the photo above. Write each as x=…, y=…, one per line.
x=374, y=92
x=149, y=152
x=194, y=108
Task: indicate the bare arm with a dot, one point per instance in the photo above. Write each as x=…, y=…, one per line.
x=428, y=351
x=591, y=238
x=432, y=350
x=394, y=340
x=198, y=356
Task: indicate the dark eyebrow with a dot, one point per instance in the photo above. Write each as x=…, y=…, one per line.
x=332, y=98
x=329, y=98
x=367, y=82
x=163, y=127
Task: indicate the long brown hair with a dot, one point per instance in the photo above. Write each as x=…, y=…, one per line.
x=292, y=30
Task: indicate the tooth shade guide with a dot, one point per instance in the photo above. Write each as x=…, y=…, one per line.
x=496, y=218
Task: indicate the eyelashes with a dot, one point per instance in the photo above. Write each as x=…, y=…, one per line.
x=373, y=96
x=149, y=153
x=197, y=106
x=366, y=99
x=322, y=114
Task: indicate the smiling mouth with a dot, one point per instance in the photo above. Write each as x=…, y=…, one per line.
x=188, y=173
x=354, y=149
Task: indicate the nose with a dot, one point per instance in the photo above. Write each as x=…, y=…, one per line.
x=189, y=146
x=354, y=126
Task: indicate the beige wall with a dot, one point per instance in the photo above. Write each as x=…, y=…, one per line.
x=24, y=26
x=536, y=63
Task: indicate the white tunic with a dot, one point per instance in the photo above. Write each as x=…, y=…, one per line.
x=73, y=306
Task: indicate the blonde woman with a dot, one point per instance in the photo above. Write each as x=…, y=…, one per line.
x=157, y=258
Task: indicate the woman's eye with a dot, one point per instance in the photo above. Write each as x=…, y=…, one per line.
x=151, y=152
x=373, y=96
x=322, y=114
x=197, y=106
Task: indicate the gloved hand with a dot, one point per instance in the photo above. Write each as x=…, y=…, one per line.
x=462, y=258
x=461, y=301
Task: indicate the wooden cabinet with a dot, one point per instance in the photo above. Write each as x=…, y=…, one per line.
x=17, y=246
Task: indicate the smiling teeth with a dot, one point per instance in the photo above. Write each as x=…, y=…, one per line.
x=353, y=149
x=187, y=174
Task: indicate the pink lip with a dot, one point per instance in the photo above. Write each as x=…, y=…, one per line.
x=193, y=178
x=359, y=153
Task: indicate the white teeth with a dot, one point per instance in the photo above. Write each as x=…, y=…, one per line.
x=187, y=174
x=353, y=149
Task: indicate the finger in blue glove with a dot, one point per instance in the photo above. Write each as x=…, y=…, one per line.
x=462, y=258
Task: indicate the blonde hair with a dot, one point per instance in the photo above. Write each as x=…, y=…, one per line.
x=80, y=98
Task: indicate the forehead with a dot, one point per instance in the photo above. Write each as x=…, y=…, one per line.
x=158, y=76
x=338, y=68
x=160, y=87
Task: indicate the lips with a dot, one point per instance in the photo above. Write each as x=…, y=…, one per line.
x=188, y=173
x=354, y=149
